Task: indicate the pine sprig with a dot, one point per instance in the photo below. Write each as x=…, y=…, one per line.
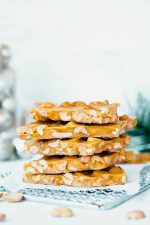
x=141, y=133
x=142, y=112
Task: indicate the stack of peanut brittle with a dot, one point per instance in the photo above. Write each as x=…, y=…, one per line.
x=80, y=144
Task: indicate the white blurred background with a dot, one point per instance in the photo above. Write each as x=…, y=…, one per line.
x=78, y=50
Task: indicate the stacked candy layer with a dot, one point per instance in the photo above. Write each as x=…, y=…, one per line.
x=80, y=144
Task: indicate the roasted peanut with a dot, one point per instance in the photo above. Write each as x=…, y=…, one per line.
x=135, y=215
x=12, y=197
x=62, y=212
x=2, y=217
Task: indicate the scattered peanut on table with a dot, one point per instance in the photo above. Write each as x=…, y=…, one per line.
x=12, y=197
x=62, y=212
x=135, y=215
x=2, y=217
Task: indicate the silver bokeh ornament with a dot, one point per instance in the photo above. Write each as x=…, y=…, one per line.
x=7, y=150
x=7, y=104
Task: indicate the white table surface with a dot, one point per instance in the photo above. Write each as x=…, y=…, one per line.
x=27, y=212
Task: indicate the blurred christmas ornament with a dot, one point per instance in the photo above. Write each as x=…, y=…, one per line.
x=7, y=150
x=6, y=120
x=18, y=143
x=7, y=104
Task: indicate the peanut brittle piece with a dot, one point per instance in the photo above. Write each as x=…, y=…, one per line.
x=94, y=112
x=140, y=158
x=110, y=176
x=75, y=146
x=43, y=130
x=65, y=164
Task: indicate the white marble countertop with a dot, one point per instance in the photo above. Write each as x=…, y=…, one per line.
x=27, y=212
